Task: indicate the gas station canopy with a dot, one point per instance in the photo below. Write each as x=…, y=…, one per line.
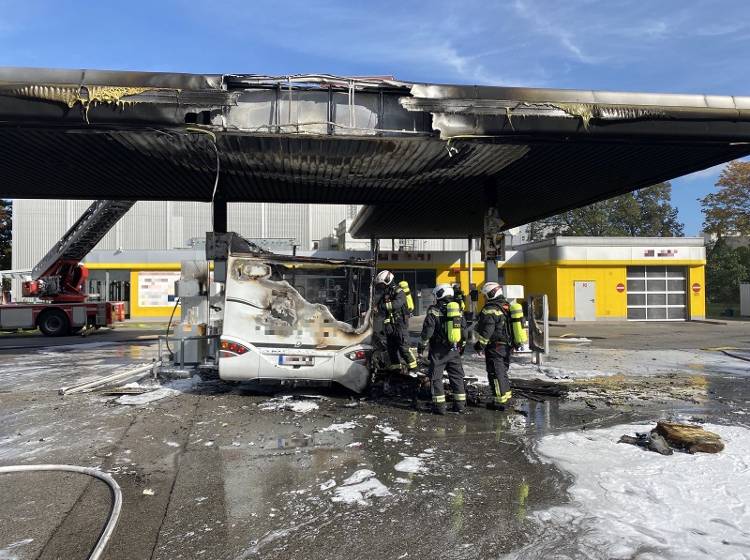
x=425, y=159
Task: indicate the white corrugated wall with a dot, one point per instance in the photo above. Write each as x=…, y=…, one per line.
x=289, y=220
x=325, y=218
x=38, y=224
x=246, y=219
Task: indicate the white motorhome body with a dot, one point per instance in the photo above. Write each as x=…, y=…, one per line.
x=296, y=320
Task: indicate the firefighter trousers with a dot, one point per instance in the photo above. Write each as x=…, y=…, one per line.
x=447, y=360
x=397, y=340
x=497, y=360
x=380, y=343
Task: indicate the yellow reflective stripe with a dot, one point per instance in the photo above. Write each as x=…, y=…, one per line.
x=505, y=397
x=438, y=398
x=459, y=397
x=389, y=306
x=394, y=366
x=435, y=312
x=483, y=341
x=497, y=391
x=413, y=361
x=491, y=311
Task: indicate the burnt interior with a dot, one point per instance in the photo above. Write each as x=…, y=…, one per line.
x=344, y=290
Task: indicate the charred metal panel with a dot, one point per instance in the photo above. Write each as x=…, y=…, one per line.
x=545, y=182
x=402, y=148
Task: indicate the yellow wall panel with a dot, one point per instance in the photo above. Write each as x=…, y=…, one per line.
x=610, y=304
x=136, y=311
x=696, y=301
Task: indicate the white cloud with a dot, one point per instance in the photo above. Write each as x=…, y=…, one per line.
x=555, y=29
x=721, y=29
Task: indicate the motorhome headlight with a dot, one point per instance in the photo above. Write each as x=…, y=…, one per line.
x=230, y=349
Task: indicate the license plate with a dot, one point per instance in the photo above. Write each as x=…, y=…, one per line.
x=296, y=360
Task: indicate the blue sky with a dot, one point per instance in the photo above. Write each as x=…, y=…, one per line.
x=668, y=45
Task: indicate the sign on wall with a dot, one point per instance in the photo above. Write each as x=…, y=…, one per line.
x=156, y=289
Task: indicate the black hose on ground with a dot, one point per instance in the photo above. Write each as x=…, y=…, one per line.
x=169, y=326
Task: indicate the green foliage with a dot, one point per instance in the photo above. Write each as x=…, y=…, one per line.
x=725, y=269
x=647, y=212
x=727, y=211
x=6, y=232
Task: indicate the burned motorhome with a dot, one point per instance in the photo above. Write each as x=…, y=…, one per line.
x=293, y=320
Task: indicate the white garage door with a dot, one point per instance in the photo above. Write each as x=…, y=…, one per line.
x=657, y=293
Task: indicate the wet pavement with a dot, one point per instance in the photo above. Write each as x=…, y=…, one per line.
x=230, y=474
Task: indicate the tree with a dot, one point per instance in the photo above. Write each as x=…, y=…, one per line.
x=727, y=211
x=647, y=212
x=725, y=270
x=6, y=227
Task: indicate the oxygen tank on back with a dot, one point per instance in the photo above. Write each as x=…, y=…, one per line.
x=453, y=324
x=516, y=321
x=407, y=292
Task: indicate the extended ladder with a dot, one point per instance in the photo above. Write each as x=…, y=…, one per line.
x=83, y=235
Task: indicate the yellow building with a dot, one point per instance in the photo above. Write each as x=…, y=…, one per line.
x=614, y=278
x=585, y=278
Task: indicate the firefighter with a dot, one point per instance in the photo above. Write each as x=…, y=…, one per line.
x=458, y=296
x=444, y=331
x=392, y=313
x=495, y=339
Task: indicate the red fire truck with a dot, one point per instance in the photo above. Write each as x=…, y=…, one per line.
x=59, y=280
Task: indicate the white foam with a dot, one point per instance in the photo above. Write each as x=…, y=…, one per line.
x=145, y=398
x=390, y=434
x=287, y=402
x=169, y=389
x=411, y=465
x=359, y=488
x=340, y=427
x=627, y=501
x=359, y=476
x=327, y=485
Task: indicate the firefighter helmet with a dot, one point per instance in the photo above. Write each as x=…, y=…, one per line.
x=492, y=290
x=384, y=277
x=442, y=291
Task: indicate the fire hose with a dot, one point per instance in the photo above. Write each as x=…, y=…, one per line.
x=114, y=513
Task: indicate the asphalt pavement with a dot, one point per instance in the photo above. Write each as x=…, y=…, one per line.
x=215, y=470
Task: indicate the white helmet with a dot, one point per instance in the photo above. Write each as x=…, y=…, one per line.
x=384, y=277
x=492, y=290
x=442, y=291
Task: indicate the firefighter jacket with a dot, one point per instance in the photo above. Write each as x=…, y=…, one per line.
x=391, y=303
x=435, y=329
x=494, y=325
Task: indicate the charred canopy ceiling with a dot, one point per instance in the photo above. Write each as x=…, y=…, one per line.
x=425, y=159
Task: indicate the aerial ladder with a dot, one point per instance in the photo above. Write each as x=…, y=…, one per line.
x=59, y=279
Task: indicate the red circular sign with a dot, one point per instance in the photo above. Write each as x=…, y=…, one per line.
x=696, y=287
x=620, y=287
